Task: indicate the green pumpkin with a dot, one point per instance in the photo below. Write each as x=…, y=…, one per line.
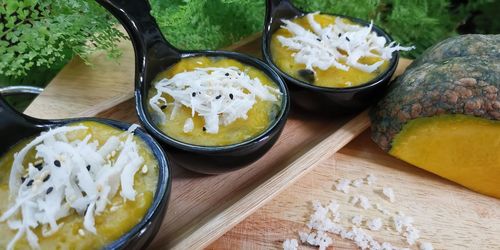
x=443, y=113
x=460, y=46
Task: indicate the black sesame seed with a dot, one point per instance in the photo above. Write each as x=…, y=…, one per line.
x=340, y=34
x=193, y=94
x=227, y=74
x=218, y=97
x=164, y=106
x=57, y=163
x=84, y=193
x=49, y=190
x=23, y=179
x=204, y=129
x=307, y=75
x=347, y=38
x=39, y=166
x=231, y=96
x=46, y=178
x=88, y=167
x=319, y=40
x=30, y=182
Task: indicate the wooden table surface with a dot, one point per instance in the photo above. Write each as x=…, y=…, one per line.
x=449, y=216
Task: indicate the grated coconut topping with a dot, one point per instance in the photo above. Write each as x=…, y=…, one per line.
x=218, y=95
x=68, y=177
x=322, y=47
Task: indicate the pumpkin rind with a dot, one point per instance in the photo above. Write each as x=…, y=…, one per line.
x=460, y=46
x=443, y=113
x=462, y=85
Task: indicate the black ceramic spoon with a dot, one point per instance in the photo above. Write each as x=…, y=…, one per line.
x=14, y=127
x=327, y=101
x=154, y=55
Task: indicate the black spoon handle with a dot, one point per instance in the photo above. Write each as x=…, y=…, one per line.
x=277, y=9
x=146, y=36
x=15, y=126
x=273, y=5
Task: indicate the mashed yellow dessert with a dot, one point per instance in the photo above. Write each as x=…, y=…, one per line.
x=330, y=51
x=82, y=185
x=213, y=101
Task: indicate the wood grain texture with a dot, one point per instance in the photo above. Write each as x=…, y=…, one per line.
x=81, y=90
x=198, y=201
x=448, y=215
x=105, y=90
x=202, y=208
x=218, y=223
x=228, y=199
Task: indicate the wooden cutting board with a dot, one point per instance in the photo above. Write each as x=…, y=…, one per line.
x=448, y=215
x=201, y=207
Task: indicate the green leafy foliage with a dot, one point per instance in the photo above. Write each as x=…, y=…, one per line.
x=366, y=9
x=207, y=24
x=37, y=37
x=42, y=34
x=210, y=24
x=482, y=17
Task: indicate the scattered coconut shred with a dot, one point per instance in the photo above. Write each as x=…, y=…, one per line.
x=320, y=48
x=290, y=244
x=343, y=185
x=389, y=193
x=68, y=177
x=219, y=95
x=326, y=220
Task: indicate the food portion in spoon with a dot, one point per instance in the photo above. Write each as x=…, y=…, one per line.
x=80, y=186
x=331, y=51
x=214, y=101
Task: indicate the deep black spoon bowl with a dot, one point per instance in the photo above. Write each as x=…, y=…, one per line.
x=324, y=100
x=15, y=127
x=154, y=55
